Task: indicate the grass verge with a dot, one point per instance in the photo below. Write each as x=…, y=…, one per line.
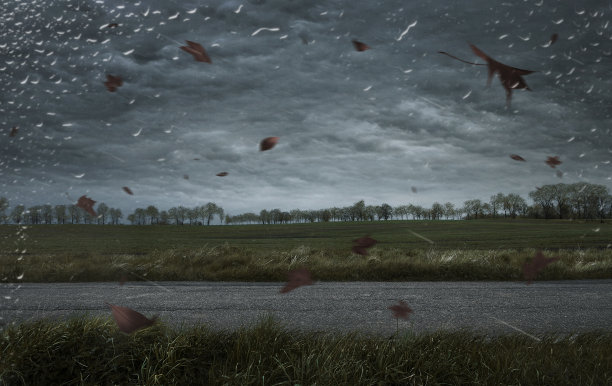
x=230, y=263
x=92, y=351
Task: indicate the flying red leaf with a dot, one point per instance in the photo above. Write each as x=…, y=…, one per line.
x=400, y=310
x=297, y=278
x=510, y=77
x=362, y=244
x=86, y=204
x=553, y=39
x=553, y=161
x=517, y=157
x=197, y=51
x=359, y=46
x=538, y=263
x=13, y=131
x=268, y=143
x=112, y=82
x=128, y=190
x=129, y=320
x=185, y=176
x=112, y=25
x=222, y=174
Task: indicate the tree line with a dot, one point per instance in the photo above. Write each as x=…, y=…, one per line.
x=563, y=201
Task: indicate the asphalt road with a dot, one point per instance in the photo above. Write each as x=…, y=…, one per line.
x=486, y=307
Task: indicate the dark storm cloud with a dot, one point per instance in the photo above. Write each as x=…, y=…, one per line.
x=352, y=125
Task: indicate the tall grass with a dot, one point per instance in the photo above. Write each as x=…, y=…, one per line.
x=230, y=263
x=93, y=351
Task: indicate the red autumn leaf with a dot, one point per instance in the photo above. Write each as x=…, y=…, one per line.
x=400, y=310
x=297, y=278
x=129, y=320
x=13, y=131
x=553, y=38
x=362, y=244
x=268, y=143
x=538, y=263
x=222, y=174
x=359, y=46
x=86, y=204
x=112, y=82
x=112, y=25
x=128, y=190
x=196, y=159
x=510, y=77
x=517, y=157
x=553, y=161
x=197, y=51
x=185, y=176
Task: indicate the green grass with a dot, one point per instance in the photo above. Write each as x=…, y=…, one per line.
x=227, y=263
x=462, y=250
x=92, y=351
x=337, y=236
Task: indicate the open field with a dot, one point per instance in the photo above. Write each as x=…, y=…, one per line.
x=92, y=350
x=333, y=236
x=461, y=250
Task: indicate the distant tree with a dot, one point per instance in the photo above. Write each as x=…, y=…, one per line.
x=74, y=213
x=115, y=215
x=326, y=215
x=369, y=213
x=103, y=211
x=46, y=213
x=449, y=210
x=516, y=204
x=34, y=216
x=264, y=217
x=497, y=203
x=472, y=208
x=164, y=218
x=17, y=214
x=60, y=213
x=152, y=213
x=437, y=211
x=132, y=218
x=358, y=211
x=384, y=211
x=4, y=204
x=544, y=197
x=193, y=215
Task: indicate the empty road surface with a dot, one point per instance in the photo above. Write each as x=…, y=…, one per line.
x=487, y=307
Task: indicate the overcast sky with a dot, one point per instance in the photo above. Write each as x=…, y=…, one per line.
x=352, y=125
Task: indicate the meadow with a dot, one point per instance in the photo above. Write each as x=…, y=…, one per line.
x=406, y=250
x=85, y=351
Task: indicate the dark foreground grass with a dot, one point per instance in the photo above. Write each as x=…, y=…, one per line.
x=93, y=351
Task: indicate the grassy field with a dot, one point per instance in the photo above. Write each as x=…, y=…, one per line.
x=93, y=351
x=459, y=250
x=336, y=236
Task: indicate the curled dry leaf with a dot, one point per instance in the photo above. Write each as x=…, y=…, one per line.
x=112, y=82
x=517, y=157
x=359, y=46
x=13, y=131
x=538, y=263
x=297, y=278
x=112, y=25
x=268, y=143
x=222, y=174
x=86, y=204
x=553, y=161
x=554, y=38
x=129, y=320
x=362, y=244
x=197, y=51
x=401, y=310
x=510, y=77
x=128, y=190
